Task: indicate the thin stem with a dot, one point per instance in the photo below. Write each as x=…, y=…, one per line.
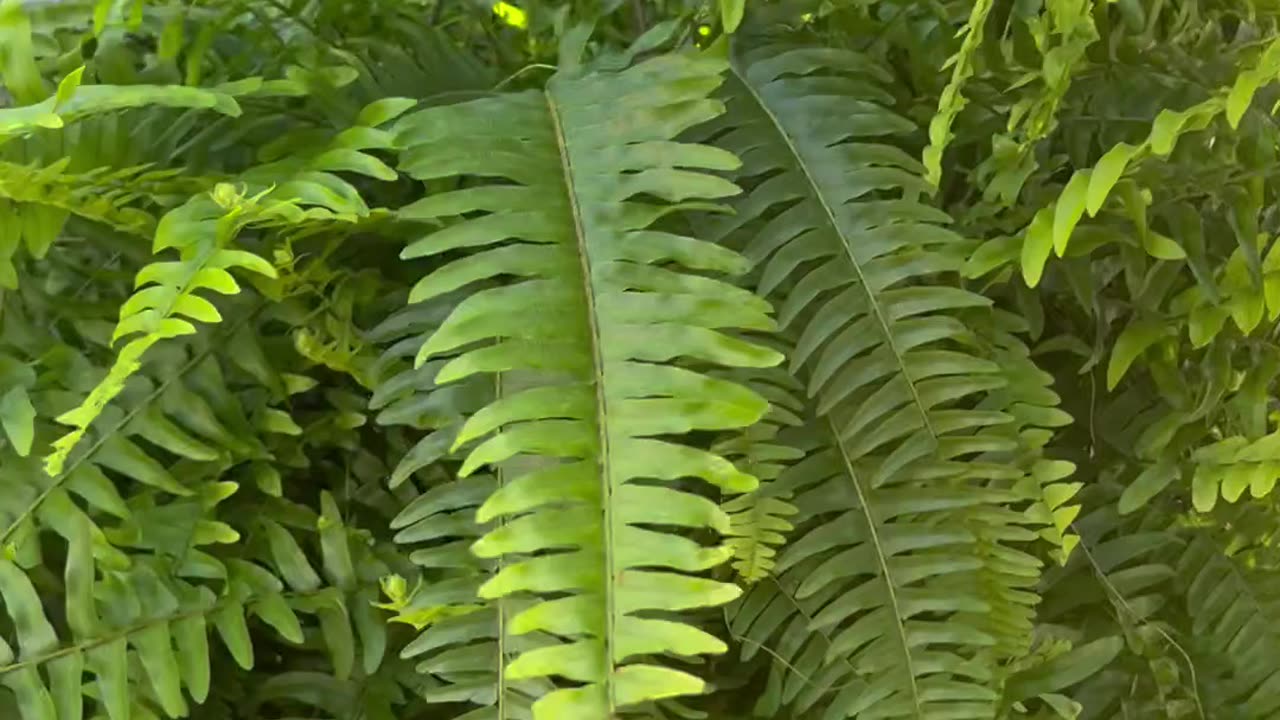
x=1120, y=603
x=137, y=628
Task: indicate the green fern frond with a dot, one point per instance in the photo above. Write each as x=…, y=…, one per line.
x=757, y=527
x=837, y=231
x=911, y=508
x=166, y=407
x=165, y=307
x=758, y=520
x=1233, y=614
x=592, y=165
x=145, y=612
x=885, y=571
x=88, y=100
x=103, y=195
x=466, y=642
x=952, y=99
x=293, y=195
x=410, y=396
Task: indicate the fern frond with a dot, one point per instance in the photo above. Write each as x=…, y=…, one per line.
x=144, y=611
x=165, y=307
x=165, y=407
x=912, y=506
x=103, y=195
x=88, y=100
x=951, y=101
x=837, y=230
x=758, y=520
x=592, y=165
x=294, y=195
x=410, y=396
x=1233, y=611
x=465, y=642
x=884, y=572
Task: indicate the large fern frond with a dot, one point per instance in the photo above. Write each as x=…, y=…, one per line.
x=911, y=504
x=871, y=603
x=591, y=165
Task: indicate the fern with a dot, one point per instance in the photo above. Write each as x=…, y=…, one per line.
x=200, y=231
x=562, y=474
x=613, y=325
x=1232, y=617
x=465, y=642
x=168, y=636
x=894, y=513
x=951, y=101
x=758, y=520
x=74, y=102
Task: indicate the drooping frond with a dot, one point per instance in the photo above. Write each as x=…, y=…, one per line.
x=73, y=102
x=902, y=586
x=167, y=407
x=291, y=193
x=880, y=601
x=839, y=234
x=201, y=230
x=591, y=165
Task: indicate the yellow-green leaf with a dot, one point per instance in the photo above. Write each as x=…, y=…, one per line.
x=1133, y=341
x=1106, y=173
x=731, y=12
x=1069, y=209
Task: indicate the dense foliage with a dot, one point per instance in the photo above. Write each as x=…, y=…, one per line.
x=373, y=359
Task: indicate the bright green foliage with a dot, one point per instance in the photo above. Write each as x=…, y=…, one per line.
x=952, y=101
x=579, y=360
x=601, y=314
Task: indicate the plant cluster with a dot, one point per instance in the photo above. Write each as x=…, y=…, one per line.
x=655, y=359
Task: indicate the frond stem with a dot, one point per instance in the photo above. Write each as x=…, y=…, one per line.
x=874, y=533
x=1119, y=601
x=134, y=629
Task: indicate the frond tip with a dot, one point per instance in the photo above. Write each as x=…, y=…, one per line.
x=592, y=167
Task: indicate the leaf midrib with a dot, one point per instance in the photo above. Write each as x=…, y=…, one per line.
x=883, y=560
x=597, y=362
x=872, y=301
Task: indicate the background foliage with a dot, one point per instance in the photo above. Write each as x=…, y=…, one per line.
x=372, y=359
